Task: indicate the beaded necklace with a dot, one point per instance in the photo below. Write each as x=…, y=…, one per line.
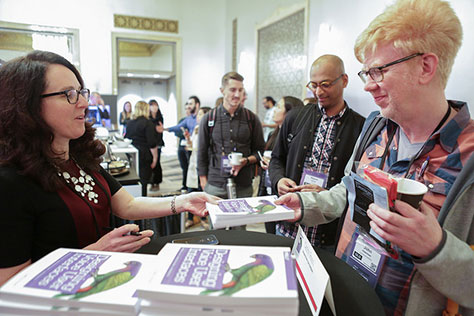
x=83, y=185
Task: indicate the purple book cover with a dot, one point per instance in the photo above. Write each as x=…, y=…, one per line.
x=262, y=205
x=198, y=267
x=235, y=206
x=68, y=273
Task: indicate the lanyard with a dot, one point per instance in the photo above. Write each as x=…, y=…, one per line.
x=230, y=133
x=392, y=133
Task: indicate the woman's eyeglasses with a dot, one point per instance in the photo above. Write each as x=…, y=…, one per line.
x=72, y=95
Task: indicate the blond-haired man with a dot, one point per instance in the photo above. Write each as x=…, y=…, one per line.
x=407, y=54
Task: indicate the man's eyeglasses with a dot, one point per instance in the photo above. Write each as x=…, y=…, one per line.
x=72, y=95
x=376, y=73
x=323, y=85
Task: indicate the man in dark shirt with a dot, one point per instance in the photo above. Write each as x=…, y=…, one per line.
x=225, y=129
x=315, y=143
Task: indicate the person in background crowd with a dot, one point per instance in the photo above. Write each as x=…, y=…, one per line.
x=48, y=154
x=233, y=129
x=189, y=121
x=183, y=154
x=142, y=132
x=421, y=135
x=219, y=101
x=157, y=118
x=185, y=126
x=125, y=115
x=268, y=124
x=104, y=115
x=244, y=98
x=316, y=140
x=285, y=105
x=192, y=180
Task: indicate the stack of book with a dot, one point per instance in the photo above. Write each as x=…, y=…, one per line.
x=79, y=282
x=236, y=212
x=209, y=279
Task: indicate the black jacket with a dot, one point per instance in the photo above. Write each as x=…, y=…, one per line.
x=296, y=138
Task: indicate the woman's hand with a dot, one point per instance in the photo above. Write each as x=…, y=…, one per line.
x=264, y=164
x=195, y=203
x=120, y=240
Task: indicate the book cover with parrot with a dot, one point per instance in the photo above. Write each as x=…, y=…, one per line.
x=71, y=278
x=216, y=275
x=236, y=212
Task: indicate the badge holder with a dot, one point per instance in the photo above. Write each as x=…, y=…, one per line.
x=226, y=167
x=313, y=177
x=365, y=256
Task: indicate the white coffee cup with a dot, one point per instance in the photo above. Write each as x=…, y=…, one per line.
x=267, y=155
x=234, y=158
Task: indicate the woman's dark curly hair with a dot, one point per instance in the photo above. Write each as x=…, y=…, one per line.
x=25, y=138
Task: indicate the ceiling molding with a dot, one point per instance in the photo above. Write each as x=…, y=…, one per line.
x=148, y=24
x=16, y=41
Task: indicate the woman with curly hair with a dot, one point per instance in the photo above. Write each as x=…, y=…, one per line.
x=53, y=192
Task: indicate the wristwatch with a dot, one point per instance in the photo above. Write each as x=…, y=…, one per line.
x=248, y=161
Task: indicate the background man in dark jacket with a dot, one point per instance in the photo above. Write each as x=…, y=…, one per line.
x=315, y=144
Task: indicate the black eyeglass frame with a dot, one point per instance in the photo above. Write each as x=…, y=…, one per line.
x=65, y=92
x=364, y=74
x=331, y=83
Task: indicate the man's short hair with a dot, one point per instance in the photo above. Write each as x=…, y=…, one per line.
x=270, y=99
x=416, y=26
x=195, y=98
x=231, y=75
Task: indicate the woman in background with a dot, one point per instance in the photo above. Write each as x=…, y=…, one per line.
x=126, y=115
x=142, y=132
x=53, y=192
x=157, y=118
x=285, y=105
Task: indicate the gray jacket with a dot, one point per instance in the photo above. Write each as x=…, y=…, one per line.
x=449, y=270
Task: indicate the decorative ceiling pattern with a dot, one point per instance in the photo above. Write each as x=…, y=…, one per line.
x=147, y=24
x=281, y=60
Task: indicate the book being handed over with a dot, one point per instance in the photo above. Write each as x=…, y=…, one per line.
x=236, y=212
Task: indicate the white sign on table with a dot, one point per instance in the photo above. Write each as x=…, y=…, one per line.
x=311, y=274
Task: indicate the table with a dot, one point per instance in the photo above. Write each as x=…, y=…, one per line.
x=352, y=294
x=129, y=178
x=129, y=150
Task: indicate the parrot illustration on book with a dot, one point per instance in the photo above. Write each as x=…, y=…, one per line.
x=264, y=206
x=106, y=281
x=246, y=276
